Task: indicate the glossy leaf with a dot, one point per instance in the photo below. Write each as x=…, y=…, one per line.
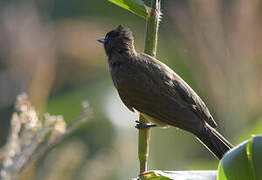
x=243, y=162
x=179, y=175
x=135, y=6
x=256, y=156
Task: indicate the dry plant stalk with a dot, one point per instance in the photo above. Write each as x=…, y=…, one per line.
x=30, y=137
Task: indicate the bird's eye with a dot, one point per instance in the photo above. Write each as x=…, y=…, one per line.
x=107, y=37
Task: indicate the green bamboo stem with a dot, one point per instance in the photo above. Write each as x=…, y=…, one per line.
x=150, y=48
x=152, y=28
x=143, y=145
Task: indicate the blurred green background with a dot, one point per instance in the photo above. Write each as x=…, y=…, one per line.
x=49, y=49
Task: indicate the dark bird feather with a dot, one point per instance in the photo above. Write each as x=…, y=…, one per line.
x=152, y=88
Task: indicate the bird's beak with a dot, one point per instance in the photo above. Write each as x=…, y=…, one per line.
x=101, y=40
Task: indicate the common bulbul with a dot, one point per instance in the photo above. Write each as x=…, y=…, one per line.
x=149, y=86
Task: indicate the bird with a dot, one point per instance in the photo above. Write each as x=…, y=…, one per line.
x=150, y=87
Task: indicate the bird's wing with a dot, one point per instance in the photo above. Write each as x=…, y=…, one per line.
x=193, y=100
x=183, y=90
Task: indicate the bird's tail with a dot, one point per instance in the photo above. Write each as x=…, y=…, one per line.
x=214, y=141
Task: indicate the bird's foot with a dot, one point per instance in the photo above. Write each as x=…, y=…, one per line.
x=141, y=125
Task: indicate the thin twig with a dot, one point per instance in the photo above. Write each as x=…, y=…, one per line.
x=52, y=143
x=29, y=137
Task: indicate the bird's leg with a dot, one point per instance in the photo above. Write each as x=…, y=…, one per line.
x=141, y=125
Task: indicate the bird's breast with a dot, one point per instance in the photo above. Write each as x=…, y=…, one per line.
x=121, y=74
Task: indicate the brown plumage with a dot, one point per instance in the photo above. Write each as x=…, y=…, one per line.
x=152, y=88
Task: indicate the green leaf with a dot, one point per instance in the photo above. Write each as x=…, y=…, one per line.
x=135, y=6
x=155, y=175
x=256, y=156
x=178, y=175
x=243, y=162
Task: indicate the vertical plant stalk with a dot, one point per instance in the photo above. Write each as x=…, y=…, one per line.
x=150, y=49
x=152, y=25
x=143, y=145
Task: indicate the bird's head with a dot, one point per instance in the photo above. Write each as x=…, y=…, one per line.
x=119, y=40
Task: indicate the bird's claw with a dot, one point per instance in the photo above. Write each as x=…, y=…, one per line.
x=141, y=125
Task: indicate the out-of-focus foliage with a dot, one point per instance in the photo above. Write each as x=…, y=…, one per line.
x=243, y=162
x=49, y=49
x=29, y=137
